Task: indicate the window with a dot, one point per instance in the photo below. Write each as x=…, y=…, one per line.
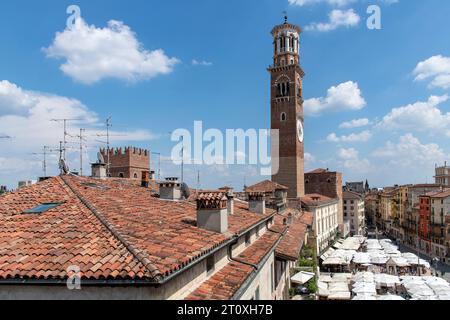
x=272, y=279
x=135, y=176
x=283, y=117
x=121, y=175
x=43, y=208
x=210, y=264
x=248, y=238
x=257, y=294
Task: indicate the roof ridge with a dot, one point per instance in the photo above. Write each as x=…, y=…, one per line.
x=138, y=254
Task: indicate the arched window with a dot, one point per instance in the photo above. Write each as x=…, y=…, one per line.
x=121, y=175
x=283, y=117
x=135, y=175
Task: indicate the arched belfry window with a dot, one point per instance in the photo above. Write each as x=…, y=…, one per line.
x=283, y=117
x=283, y=89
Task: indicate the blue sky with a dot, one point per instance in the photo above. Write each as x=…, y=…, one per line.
x=393, y=81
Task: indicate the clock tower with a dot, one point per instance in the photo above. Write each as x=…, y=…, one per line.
x=287, y=108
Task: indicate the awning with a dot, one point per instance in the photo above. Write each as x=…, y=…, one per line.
x=302, y=277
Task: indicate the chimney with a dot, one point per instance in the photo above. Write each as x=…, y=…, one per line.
x=99, y=170
x=170, y=190
x=230, y=199
x=230, y=202
x=257, y=202
x=145, y=183
x=212, y=212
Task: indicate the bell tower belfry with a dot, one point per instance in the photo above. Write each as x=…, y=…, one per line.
x=287, y=114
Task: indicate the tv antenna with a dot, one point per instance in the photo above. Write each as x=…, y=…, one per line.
x=66, y=134
x=159, y=164
x=46, y=151
x=100, y=158
x=63, y=167
x=108, y=136
x=82, y=139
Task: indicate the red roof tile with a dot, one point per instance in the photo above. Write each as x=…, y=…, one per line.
x=112, y=229
x=266, y=187
x=291, y=244
x=226, y=282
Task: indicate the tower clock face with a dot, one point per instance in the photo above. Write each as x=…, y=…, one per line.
x=300, y=131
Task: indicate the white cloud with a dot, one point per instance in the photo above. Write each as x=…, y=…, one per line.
x=29, y=123
x=354, y=137
x=345, y=96
x=350, y=161
x=204, y=63
x=309, y=157
x=337, y=18
x=348, y=154
x=436, y=68
x=410, y=152
x=356, y=123
x=92, y=54
x=420, y=116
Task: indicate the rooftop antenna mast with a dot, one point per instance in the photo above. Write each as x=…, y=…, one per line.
x=108, y=125
x=198, y=181
x=46, y=151
x=65, y=121
x=81, y=150
x=159, y=164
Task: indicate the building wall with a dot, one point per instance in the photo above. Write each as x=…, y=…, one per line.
x=262, y=282
x=354, y=211
x=176, y=289
x=328, y=184
x=325, y=226
x=443, y=175
x=127, y=162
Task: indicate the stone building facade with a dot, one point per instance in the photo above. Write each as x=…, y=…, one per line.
x=327, y=183
x=443, y=175
x=127, y=162
x=355, y=213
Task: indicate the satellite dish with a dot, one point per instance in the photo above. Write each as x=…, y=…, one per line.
x=185, y=191
x=100, y=158
x=63, y=166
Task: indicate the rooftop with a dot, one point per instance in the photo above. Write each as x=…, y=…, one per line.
x=352, y=195
x=112, y=229
x=317, y=200
x=266, y=187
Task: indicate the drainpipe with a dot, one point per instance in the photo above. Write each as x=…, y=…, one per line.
x=230, y=255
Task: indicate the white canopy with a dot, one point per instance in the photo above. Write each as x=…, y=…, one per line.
x=390, y=297
x=302, y=277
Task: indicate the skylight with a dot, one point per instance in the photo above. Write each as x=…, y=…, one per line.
x=43, y=208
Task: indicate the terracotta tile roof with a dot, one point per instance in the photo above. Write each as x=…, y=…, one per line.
x=113, y=229
x=44, y=246
x=291, y=244
x=352, y=195
x=212, y=196
x=441, y=194
x=266, y=187
x=226, y=282
x=316, y=199
x=320, y=170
